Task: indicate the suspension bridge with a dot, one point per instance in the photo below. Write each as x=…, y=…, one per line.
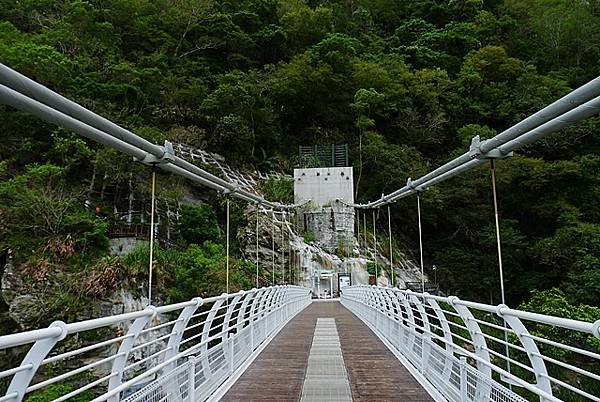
x=277, y=342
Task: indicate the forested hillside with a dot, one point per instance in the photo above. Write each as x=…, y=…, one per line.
x=406, y=84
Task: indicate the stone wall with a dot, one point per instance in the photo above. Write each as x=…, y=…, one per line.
x=332, y=227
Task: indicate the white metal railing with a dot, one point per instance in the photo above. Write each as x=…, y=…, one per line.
x=477, y=352
x=178, y=352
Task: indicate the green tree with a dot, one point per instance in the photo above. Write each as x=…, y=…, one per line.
x=38, y=208
x=198, y=224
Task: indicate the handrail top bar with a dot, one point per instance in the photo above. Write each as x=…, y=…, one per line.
x=501, y=310
x=22, y=338
x=59, y=328
x=440, y=348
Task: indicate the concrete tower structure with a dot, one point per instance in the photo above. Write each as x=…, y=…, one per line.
x=328, y=219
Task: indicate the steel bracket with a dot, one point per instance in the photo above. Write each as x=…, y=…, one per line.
x=475, y=151
x=167, y=157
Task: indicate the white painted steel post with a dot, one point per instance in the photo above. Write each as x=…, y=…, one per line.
x=409, y=345
x=479, y=343
x=396, y=317
x=251, y=294
x=425, y=336
x=263, y=309
x=192, y=379
x=228, y=338
x=447, y=333
x=253, y=310
x=177, y=331
x=206, y=370
x=533, y=353
x=463, y=379
x=389, y=308
x=230, y=342
x=290, y=259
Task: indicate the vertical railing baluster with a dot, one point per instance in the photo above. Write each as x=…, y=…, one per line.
x=192, y=379
x=463, y=379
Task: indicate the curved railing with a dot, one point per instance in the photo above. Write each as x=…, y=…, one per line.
x=178, y=352
x=469, y=351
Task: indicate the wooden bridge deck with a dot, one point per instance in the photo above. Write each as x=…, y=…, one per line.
x=374, y=373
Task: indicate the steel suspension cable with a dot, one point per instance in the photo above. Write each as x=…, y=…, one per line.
x=578, y=105
x=500, y=262
x=391, y=252
x=27, y=95
x=257, y=286
x=273, y=248
x=375, y=248
x=151, y=262
x=365, y=242
x=497, y=222
x=282, y=248
x=357, y=226
x=290, y=260
x=421, y=243
x=227, y=246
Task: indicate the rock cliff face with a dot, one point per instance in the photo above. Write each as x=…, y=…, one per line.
x=25, y=302
x=24, y=310
x=299, y=261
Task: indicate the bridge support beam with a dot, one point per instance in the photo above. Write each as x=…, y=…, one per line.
x=481, y=349
x=178, y=329
x=32, y=361
x=118, y=364
x=533, y=353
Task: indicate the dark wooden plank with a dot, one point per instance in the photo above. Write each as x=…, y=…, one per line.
x=278, y=372
x=375, y=374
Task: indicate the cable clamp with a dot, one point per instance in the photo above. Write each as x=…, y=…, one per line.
x=167, y=157
x=235, y=189
x=475, y=151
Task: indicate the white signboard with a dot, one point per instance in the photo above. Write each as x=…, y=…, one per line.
x=344, y=281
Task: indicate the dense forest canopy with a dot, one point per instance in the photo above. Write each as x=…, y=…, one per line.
x=406, y=84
